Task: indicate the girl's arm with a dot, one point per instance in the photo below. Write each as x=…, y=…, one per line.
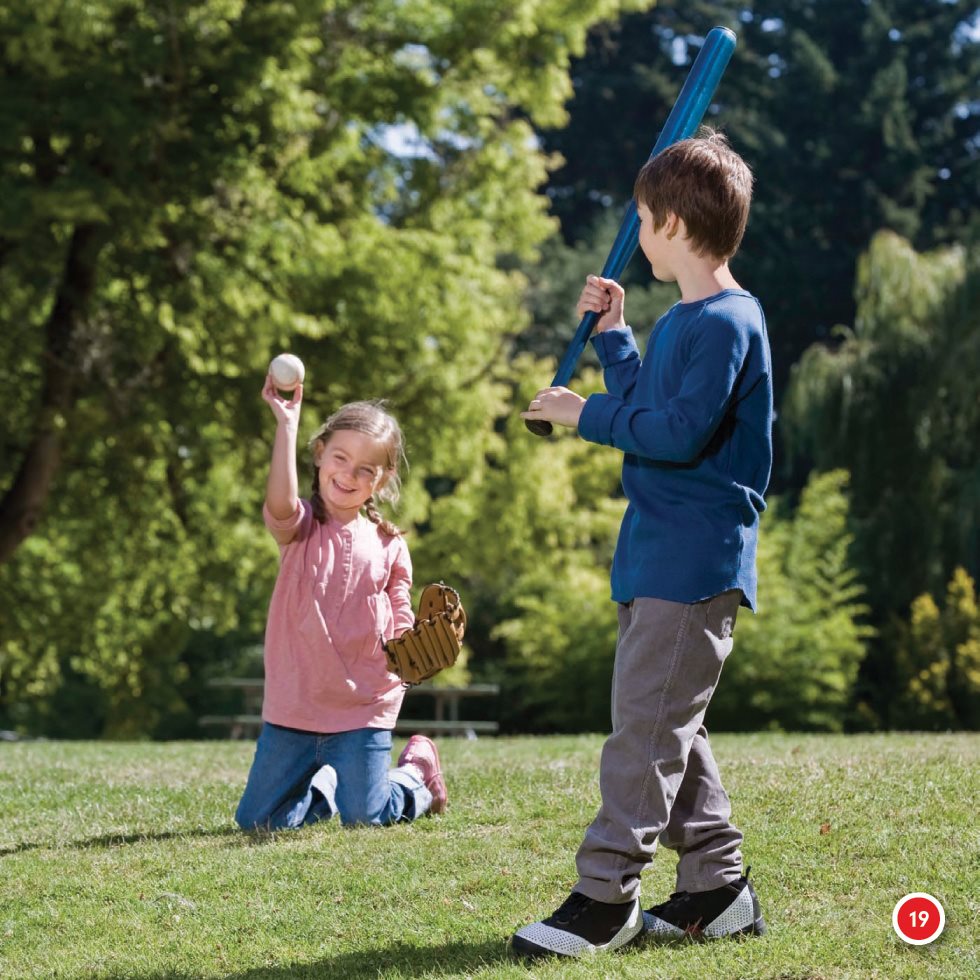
x=282, y=487
x=399, y=589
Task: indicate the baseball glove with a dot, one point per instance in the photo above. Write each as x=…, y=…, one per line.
x=433, y=643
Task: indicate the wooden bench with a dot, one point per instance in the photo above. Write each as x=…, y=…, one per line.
x=445, y=721
x=446, y=702
x=246, y=724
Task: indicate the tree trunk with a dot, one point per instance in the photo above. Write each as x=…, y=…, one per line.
x=23, y=504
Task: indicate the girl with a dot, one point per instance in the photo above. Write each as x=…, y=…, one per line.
x=330, y=703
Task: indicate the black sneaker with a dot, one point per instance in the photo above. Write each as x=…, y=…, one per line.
x=732, y=910
x=579, y=927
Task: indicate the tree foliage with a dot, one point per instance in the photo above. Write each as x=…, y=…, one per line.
x=854, y=116
x=895, y=401
x=939, y=660
x=794, y=664
x=555, y=281
x=186, y=189
x=542, y=518
x=547, y=625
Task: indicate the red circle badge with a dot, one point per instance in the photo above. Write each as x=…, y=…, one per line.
x=918, y=918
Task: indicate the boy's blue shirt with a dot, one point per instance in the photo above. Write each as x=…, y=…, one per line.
x=694, y=418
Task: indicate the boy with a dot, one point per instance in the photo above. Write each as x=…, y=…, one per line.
x=694, y=419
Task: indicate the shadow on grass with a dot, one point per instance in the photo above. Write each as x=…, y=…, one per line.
x=398, y=960
x=236, y=836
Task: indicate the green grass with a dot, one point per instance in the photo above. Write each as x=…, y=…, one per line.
x=121, y=860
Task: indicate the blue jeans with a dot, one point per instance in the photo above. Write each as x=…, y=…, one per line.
x=301, y=777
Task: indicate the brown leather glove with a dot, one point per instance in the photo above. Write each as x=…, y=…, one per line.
x=434, y=642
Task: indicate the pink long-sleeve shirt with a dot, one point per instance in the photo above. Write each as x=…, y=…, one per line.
x=342, y=589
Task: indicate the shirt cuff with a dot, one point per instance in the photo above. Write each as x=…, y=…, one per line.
x=614, y=345
x=595, y=422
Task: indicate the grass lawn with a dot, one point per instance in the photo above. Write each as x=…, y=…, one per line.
x=122, y=860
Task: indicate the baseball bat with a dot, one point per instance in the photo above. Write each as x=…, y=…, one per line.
x=683, y=121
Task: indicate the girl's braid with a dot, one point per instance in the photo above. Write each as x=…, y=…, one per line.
x=319, y=508
x=374, y=515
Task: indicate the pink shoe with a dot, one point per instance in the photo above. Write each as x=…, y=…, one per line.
x=421, y=752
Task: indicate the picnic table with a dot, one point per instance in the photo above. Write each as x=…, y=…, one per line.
x=445, y=718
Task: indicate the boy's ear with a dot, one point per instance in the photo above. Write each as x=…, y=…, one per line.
x=671, y=226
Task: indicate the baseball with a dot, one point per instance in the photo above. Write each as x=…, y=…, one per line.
x=287, y=371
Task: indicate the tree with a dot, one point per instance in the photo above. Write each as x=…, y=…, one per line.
x=854, y=116
x=895, y=401
x=795, y=663
x=554, y=284
x=541, y=519
x=939, y=660
x=187, y=189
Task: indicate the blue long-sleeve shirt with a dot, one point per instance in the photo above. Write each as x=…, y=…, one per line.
x=694, y=418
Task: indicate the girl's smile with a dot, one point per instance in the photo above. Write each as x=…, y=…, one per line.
x=351, y=469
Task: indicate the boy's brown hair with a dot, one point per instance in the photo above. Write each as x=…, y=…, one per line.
x=705, y=183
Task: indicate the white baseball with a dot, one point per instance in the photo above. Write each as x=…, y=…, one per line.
x=287, y=371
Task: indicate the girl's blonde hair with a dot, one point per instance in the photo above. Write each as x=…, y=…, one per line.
x=371, y=419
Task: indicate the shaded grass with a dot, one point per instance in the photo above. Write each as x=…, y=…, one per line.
x=122, y=860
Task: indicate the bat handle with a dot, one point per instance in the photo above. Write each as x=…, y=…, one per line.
x=539, y=427
x=567, y=367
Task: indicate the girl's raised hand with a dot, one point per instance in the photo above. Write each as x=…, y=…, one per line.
x=605, y=297
x=285, y=410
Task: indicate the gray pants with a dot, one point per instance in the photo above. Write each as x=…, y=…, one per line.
x=657, y=775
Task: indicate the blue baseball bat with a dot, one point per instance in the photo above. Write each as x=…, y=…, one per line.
x=683, y=121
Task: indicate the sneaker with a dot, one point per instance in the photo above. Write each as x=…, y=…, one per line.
x=732, y=910
x=422, y=754
x=579, y=927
